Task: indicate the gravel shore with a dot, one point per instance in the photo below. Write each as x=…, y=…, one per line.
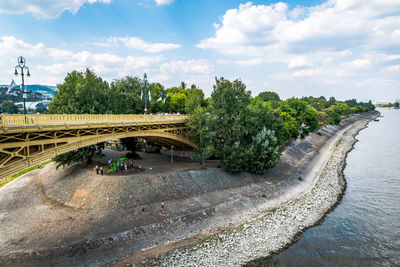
x=277, y=228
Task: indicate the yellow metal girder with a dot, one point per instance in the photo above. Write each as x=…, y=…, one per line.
x=24, y=142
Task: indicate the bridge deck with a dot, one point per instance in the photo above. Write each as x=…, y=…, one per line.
x=19, y=122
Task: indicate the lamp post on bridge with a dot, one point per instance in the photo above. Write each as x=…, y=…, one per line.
x=21, y=65
x=145, y=92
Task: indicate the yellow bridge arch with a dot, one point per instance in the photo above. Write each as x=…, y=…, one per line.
x=29, y=139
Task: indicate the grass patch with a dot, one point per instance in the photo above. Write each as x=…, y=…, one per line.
x=320, y=134
x=264, y=195
x=18, y=174
x=300, y=178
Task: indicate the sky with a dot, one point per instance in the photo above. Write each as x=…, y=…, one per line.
x=342, y=48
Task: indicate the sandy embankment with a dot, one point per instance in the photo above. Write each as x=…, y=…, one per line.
x=75, y=217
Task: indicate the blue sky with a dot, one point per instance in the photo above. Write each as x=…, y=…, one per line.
x=341, y=48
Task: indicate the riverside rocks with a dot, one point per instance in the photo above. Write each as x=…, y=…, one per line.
x=275, y=229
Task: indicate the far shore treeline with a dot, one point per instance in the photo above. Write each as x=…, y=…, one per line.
x=244, y=132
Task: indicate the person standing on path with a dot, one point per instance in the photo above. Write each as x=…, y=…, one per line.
x=101, y=170
x=162, y=205
x=97, y=169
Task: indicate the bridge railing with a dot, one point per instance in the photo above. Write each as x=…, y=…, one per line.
x=29, y=120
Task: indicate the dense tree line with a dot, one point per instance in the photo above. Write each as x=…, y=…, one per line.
x=389, y=105
x=249, y=134
x=244, y=132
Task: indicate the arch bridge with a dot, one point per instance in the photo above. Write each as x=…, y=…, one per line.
x=29, y=139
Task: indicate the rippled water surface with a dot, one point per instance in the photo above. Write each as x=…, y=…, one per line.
x=364, y=229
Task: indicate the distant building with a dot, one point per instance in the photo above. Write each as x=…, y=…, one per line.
x=33, y=105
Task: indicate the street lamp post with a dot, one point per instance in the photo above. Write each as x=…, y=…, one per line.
x=21, y=65
x=145, y=93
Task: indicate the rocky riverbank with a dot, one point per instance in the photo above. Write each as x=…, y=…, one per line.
x=72, y=216
x=275, y=229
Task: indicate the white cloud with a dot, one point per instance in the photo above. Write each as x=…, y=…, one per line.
x=392, y=57
x=357, y=63
x=335, y=25
x=195, y=71
x=298, y=61
x=50, y=65
x=223, y=61
x=107, y=66
x=250, y=62
x=44, y=9
x=139, y=44
x=393, y=68
x=199, y=66
x=10, y=46
x=247, y=26
x=164, y=2
x=306, y=73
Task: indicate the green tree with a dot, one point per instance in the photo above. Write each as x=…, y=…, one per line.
x=292, y=126
x=199, y=132
x=303, y=113
x=396, y=104
x=124, y=96
x=87, y=154
x=263, y=115
x=81, y=93
x=310, y=117
x=194, y=99
x=9, y=107
x=333, y=115
x=264, y=152
x=178, y=102
x=268, y=96
x=229, y=110
x=183, y=85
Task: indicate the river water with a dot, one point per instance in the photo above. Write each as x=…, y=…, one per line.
x=364, y=229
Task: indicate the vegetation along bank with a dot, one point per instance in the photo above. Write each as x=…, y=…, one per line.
x=244, y=132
